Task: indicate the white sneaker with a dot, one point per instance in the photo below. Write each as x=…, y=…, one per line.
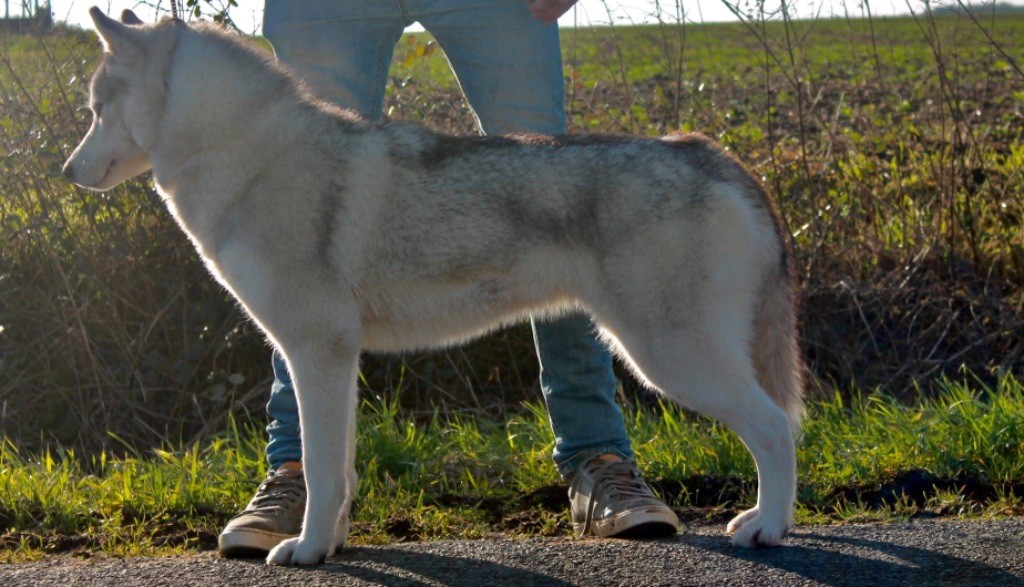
x=610, y=498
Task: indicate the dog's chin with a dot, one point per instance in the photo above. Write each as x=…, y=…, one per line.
x=97, y=187
x=103, y=185
x=116, y=175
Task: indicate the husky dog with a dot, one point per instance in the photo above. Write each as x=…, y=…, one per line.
x=390, y=237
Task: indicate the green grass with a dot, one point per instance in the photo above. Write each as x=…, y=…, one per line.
x=461, y=477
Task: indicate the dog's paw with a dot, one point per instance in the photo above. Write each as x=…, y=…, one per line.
x=741, y=519
x=750, y=530
x=296, y=552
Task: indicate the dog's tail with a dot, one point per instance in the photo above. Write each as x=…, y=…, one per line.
x=775, y=346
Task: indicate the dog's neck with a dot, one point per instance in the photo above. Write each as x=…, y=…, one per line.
x=229, y=112
x=222, y=95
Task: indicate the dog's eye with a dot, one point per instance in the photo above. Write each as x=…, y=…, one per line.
x=96, y=107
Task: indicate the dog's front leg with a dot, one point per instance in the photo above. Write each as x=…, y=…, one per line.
x=325, y=384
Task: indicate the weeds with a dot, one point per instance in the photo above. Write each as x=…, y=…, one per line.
x=865, y=458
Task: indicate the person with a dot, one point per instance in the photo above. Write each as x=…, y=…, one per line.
x=507, y=59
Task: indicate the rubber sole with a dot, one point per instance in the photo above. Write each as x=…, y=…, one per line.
x=652, y=523
x=248, y=543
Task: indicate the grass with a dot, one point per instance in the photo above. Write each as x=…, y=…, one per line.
x=436, y=477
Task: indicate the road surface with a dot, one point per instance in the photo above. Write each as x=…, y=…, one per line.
x=915, y=553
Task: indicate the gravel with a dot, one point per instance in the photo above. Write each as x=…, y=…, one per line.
x=914, y=553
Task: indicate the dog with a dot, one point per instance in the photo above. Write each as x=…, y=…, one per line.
x=390, y=237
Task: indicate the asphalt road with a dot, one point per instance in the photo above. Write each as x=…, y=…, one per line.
x=917, y=554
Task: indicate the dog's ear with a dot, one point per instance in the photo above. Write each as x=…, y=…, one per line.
x=115, y=36
x=128, y=17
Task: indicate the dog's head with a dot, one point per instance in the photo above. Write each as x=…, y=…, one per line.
x=127, y=98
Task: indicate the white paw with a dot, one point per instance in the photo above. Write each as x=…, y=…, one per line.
x=750, y=530
x=296, y=551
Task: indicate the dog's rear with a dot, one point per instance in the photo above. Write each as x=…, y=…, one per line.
x=701, y=302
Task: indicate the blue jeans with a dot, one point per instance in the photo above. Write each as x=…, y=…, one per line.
x=510, y=69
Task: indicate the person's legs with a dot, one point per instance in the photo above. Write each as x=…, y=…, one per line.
x=508, y=65
x=341, y=48
x=579, y=389
x=285, y=444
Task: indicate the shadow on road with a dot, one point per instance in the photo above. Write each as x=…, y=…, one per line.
x=418, y=567
x=841, y=560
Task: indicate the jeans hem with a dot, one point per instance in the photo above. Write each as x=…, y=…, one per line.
x=567, y=468
x=277, y=462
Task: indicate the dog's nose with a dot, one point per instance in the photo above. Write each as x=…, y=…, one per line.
x=68, y=170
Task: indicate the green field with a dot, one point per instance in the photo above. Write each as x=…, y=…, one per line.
x=895, y=148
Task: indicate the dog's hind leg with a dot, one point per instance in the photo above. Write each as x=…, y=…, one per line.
x=765, y=429
x=718, y=381
x=324, y=373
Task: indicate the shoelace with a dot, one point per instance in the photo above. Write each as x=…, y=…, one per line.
x=278, y=489
x=617, y=478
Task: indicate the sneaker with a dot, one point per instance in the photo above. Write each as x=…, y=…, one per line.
x=273, y=515
x=610, y=498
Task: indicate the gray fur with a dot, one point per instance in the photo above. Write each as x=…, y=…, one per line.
x=339, y=235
